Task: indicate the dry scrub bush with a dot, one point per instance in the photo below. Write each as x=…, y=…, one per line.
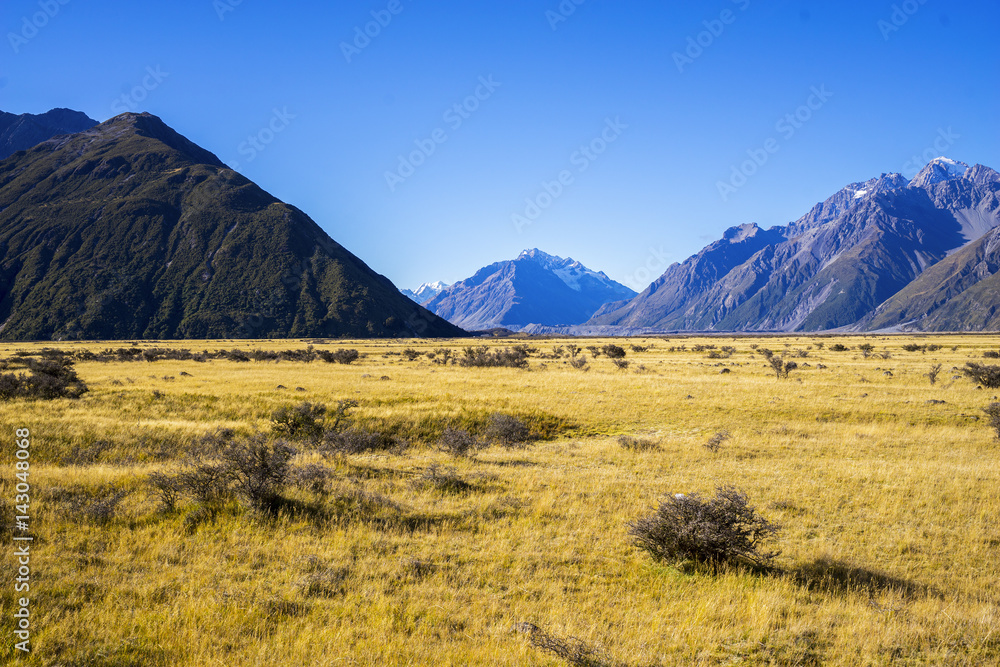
x=48, y=379
x=993, y=412
x=483, y=357
x=459, y=442
x=445, y=480
x=360, y=441
x=508, y=431
x=634, y=444
x=724, y=528
x=304, y=421
x=715, y=442
x=574, y=651
x=988, y=376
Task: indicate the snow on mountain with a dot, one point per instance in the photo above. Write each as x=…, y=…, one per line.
x=937, y=170
x=426, y=291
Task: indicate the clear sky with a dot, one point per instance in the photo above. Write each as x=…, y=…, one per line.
x=618, y=120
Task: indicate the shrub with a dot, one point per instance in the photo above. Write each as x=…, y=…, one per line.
x=991, y=354
x=781, y=367
x=715, y=442
x=634, y=444
x=339, y=356
x=100, y=510
x=459, y=442
x=508, y=431
x=205, y=481
x=300, y=422
x=579, y=363
x=640, y=348
x=574, y=651
x=724, y=528
x=360, y=441
x=866, y=349
x=988, y=376
x=483, y=357
x=49, y=379
x=411, y=354
x=839, y=347
x=446, y=480
x=257, y=469
x=621, y=364
x=932, y=374
x=613, y=351
x=312, y=477
x=993, y=412
x=169, y=488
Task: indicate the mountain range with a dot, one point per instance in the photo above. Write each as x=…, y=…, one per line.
x=128, y=230
x=21, y=132
x=887, y=253
x=425, y=292
x=533, y=289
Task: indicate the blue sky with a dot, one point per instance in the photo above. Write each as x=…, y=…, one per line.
x=600, y=130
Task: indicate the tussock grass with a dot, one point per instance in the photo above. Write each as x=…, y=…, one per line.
x=887, y=503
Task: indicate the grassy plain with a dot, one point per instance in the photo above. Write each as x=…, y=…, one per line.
x=888, y=503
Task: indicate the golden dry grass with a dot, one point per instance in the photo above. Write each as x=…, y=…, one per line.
x=888, y=504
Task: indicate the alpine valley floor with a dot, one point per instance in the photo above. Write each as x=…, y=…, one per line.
x=884, y=484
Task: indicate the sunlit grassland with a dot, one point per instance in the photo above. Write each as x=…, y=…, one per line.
x=888, y=503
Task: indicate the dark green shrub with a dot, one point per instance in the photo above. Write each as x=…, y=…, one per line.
x=48, y=379
x=714, y=530
x=300, y=422
x=339, y=356
x=613, y=351
x=839, y=347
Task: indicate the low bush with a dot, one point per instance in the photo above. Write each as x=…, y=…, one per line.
x=839, y=347
x=301, y=422
x=576, y=652
x=508, y=431
x=459, y=442
x=724, y=528
x=311, y=477
x=613, y=351
x=988, y=376
x=47, y=379
x=446, y=480
x=715, y=442
x=634, y=444
x=339, y=356
x=360, y=441
x=993, y=412
x=579, y=363
x=483, y=357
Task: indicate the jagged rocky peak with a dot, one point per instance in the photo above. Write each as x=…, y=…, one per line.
x=937, y=170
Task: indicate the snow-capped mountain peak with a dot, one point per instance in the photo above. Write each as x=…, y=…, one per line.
x=426, y=291
x=939, y=169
